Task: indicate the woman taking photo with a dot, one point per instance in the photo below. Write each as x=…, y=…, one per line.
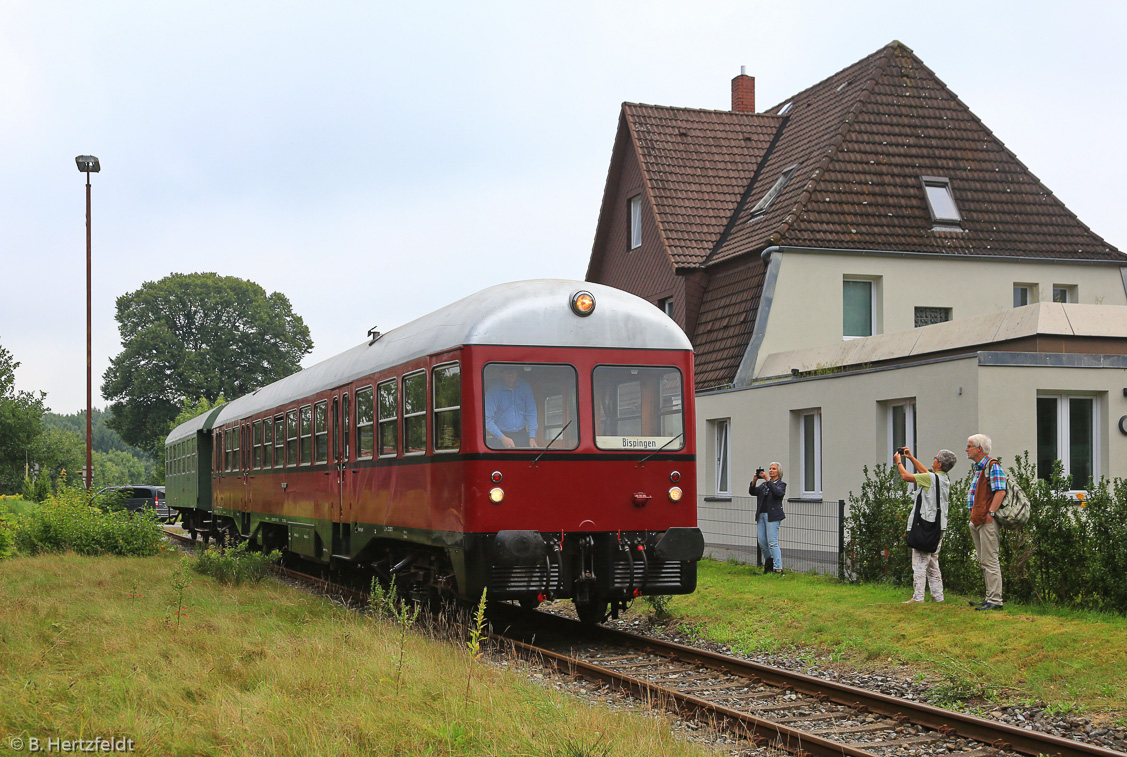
x=934, y=494
x=770, y=489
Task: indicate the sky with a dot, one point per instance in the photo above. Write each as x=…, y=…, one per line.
x=374, y=161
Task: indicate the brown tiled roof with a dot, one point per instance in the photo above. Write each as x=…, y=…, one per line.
x=696, y=165
x=727, y=317
x=863, y=138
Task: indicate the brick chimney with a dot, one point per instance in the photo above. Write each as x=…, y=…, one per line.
x=743, y=93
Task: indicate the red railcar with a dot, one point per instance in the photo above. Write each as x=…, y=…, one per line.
x=535, y=439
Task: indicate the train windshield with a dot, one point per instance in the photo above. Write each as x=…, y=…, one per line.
x=528, y=405
x=638, y=408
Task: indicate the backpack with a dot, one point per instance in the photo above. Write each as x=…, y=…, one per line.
x=1015, y=508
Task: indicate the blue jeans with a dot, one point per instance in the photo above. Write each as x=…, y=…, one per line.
x=769, y=540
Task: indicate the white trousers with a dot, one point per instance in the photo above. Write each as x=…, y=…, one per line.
x=925, y=571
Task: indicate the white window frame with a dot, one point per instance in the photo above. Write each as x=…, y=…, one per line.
x=1030, y=292
x=810, y=488
x=635, y=205
x=909, y=406
x=666, y=304
x=872, y=306
x=1064, y=453
x=723, y=450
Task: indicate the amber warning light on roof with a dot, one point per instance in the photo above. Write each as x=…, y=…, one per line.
x=583, y=303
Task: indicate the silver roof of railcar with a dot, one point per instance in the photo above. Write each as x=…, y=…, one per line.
x=521, y=313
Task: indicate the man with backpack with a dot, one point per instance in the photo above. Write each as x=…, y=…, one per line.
x=987, y=490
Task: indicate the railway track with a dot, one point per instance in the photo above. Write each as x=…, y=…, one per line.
x=766, y=706
x=796, y=713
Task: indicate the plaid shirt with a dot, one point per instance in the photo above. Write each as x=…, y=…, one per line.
x=997, y=479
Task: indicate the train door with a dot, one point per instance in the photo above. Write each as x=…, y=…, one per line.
x=244, y=463
x=342, y=517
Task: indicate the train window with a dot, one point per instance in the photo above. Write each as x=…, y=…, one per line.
x=518, y=397
x=279, y=441
x=415, y=413
x=291, y=438
x=321, y=432
x=447, y=382
x=365, y=438
x=257, y=445
x=267, y=442
x=388, y=418
x=305, y=441
x=638, y=408
x=229, y=439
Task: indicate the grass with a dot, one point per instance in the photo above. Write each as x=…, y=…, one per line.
x=1071, y=660
x=15, y=506
x=121, y=647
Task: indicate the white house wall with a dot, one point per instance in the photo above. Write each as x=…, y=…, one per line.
x=806, y=305
x=1008, y=414
x=954, y=398
x=854, y=423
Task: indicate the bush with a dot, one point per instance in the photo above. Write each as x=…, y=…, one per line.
x=7, y=539
x=874, y=549
x=233, y=565
x=66, y=521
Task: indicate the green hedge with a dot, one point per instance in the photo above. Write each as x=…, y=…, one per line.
x=1070, y=554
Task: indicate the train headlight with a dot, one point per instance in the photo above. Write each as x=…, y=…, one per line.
x=675, y=494
x=496, y=494
x=583, y=303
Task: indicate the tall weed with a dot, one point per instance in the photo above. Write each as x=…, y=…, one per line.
x=233, y=565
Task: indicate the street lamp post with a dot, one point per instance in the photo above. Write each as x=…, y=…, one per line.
x=88, y=164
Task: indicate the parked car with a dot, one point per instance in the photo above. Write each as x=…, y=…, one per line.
x=135, y=498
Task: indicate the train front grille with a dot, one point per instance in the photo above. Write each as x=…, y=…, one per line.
x=523, y=579
x=651, y=576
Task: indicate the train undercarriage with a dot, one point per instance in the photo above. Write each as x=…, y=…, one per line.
x=602, y=572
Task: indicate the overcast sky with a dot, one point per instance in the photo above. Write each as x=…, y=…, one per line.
x=374, y=161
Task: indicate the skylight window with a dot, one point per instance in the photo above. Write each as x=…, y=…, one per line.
x=761, y=206
x=786, y=108
x=941, y=200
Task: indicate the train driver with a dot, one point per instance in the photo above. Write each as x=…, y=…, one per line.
x=510, y=410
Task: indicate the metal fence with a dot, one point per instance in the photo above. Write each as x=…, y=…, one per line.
x=810, y=537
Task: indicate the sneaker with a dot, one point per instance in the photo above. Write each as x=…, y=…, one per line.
x=989, y=606
x=976, y=605
x=937, y=600
x=910, y=601
x=779, y=572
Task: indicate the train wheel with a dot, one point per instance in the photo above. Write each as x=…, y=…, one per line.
x=593, y=612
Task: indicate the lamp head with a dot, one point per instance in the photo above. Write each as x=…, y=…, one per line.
x=88, y=164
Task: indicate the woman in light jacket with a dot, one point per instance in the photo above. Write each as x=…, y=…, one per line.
x=770, y=489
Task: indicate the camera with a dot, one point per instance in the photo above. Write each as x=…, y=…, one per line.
x=758, y=471
x=901, y=451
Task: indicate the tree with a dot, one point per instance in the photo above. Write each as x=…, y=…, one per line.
x=21, y=423
x=196, y=335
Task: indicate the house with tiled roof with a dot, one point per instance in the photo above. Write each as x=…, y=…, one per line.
x=861, y=266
